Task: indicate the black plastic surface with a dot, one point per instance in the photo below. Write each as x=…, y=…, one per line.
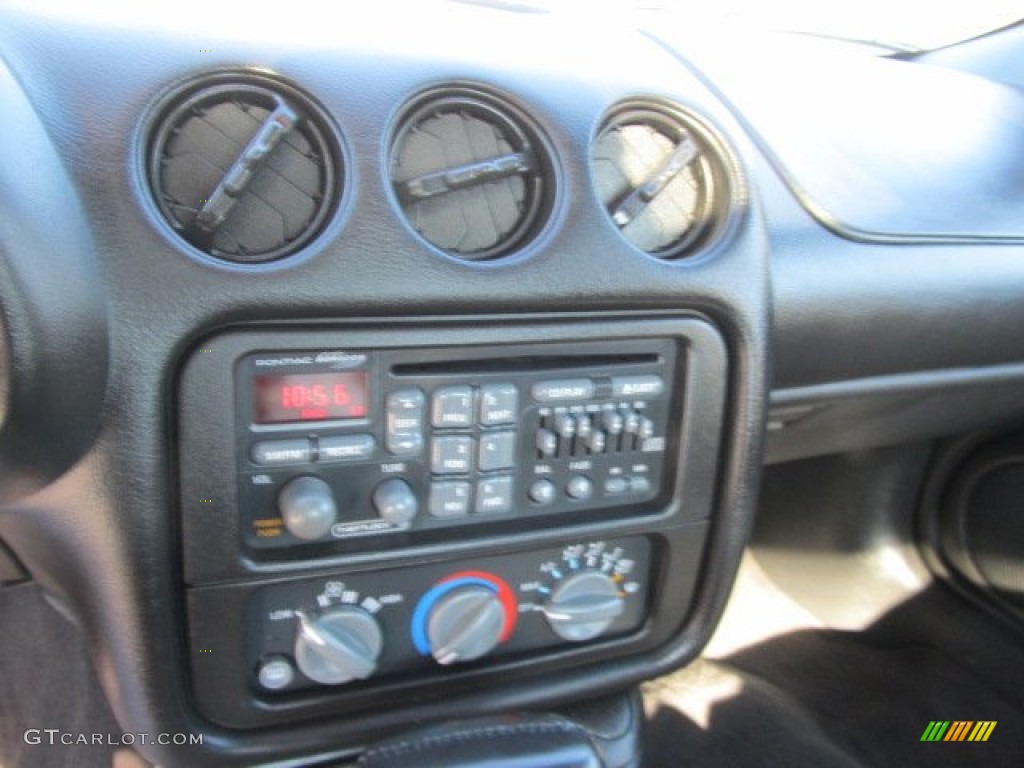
x=889, y=410
x=509, y=742
x=228, y=694
x=613, y=725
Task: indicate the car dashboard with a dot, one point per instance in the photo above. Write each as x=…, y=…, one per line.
x=372, y=371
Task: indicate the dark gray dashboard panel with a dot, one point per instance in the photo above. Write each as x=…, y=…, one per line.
x=890, y=410
x=104, y=536
x=845, y=310
x=878, y=149
x=53, y=350
x=213, y=525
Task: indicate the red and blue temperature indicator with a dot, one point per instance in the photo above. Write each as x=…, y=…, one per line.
x=457, y=581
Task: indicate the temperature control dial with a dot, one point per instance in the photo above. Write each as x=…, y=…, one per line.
x=464, y=617
x=583, y=606
x=339, y=646
x=465, y=624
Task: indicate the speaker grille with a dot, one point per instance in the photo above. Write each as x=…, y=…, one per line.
x=471, y=173
x=244, y=168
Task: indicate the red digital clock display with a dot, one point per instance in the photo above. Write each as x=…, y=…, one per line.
x=310, y=397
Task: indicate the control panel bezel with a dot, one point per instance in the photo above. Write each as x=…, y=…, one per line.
x=213, y=530
x=223, y=577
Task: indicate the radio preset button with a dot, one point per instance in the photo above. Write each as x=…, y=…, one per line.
x=637, y=386
x=452, y=407
x=272, y=452
x=451, y=455
x=499, y=404
x=543, y=492
x=406, y=401
x=497, y=451
x=563, y=389
x=345, y=448
x=615, y=486
x=494, y=495
x=405, y=422
x=405, y=444
x=579, y=488
x=640, y=484
x=449, y=499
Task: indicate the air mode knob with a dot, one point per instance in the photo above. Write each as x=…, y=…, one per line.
x=307, y=507
x=583, y=606
x=339, y=646
x=465, y=624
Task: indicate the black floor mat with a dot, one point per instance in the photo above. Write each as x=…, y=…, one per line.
x=828, y=698
x=47, y=682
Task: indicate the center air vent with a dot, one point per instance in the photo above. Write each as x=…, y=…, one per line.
x=662, y=176
x=471, y=173
x=244, y=168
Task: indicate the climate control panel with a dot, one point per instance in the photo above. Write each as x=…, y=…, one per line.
x=334, y=446
x=339, y=630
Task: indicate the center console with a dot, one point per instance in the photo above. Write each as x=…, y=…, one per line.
x=377, y=512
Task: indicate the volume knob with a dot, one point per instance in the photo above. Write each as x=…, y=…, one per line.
x=307, y=507
x=338, y=647
x=584, y=606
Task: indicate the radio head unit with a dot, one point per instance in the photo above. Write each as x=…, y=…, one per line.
x=401, y=445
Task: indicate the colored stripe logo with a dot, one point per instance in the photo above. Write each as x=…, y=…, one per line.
x=958, y=730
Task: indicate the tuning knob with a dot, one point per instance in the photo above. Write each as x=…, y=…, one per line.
x=307, y=507
x=395, y=501
x=465, y=624
x=338, y=646
x=583, y=606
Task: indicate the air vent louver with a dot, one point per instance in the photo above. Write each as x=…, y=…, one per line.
x=244, y=168
x=471, y=173
x=663, y=178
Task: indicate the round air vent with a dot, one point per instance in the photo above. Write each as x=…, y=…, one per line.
x=244, y=168
x=663, y=177
x=471, y=173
